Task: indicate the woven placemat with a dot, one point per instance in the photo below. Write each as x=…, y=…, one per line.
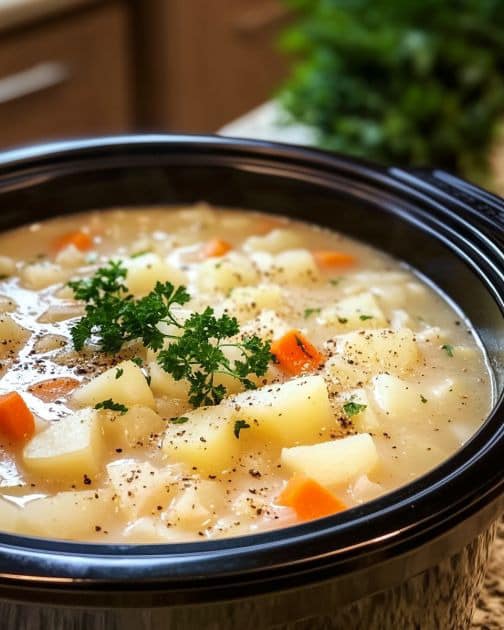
x=489, y=613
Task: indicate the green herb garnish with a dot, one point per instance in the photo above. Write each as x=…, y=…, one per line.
x=352, y=408
x=365, y=317
x=342, y=320
x=423, y=399
x=308, y=312
x=179, y=420
x=111, y=405
x=118, y=373
x=138, y=361
x=238, y=426
x=114, y=317
x=140, y=253
x=448, y=348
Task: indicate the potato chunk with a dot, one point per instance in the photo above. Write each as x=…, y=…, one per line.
x=361, y=355
x=225, y=273
x=68, y=449
x=12, y=335
x=140, y=488
x=396, y=397
x=354, y=312
x=294, y=412
x=42, y=275
x=144, y=271
x=366, y=419
x=205, y=441
x=294, y=266
x=275, y=241
x=9, y=516
x=198, y=505
x=128, y=387
x=137, y=427
x=247, y=302
x=68, y=515
x=333, y=463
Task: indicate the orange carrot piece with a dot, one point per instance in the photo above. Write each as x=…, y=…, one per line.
x=295, y=354
x=53, y=388
x=80, y=240
x=16, y=420
x=215, y=248
x=330, y=259
x=309, y=499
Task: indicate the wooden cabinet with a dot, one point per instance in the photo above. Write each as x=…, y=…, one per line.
x=66, y=77
x=204, y=62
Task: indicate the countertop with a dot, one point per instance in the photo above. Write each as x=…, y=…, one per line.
x=267, y=123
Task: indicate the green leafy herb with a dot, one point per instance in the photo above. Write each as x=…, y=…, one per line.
x=238, y=426
x=118, y=373
x=342, y=320
x=179, y=420
x=138, y=361
x=111, y=405
x=365, y=317
x=352, y=408
x=448, y=348
x=140, y=253
x=308, y=312
x=423, y=399
x=113, y=317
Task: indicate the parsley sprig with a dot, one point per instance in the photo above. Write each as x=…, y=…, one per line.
x=114, y=317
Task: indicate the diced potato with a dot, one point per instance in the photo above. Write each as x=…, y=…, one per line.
x=391, y=295
x=294, y=266
x=150, y=529
x=366, y=420
x=128, y=387
x=12, y=335
x=275, y=241
x=50, y=342
x=247, y=302
x=380, y=350
x=396, y=397
x=7, y=304
x=7, y=266
x=137, y=427
x=70, y=256
x=399, y=318
x=344, y=372
x=9, y=516
x=294, y=412
x=225, y=273
x=144, y=271
x=197, y=506
x=353, y=313
x=68, y=515
x=268, y=325
x=43, y=274
x=68, y=449
x=365, y=490
x=163, y=384
x=141, y=489
x=333, y=463
x=61, y=312
x=205, y=441
x=172, y=407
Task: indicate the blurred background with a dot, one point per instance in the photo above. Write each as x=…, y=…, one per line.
x=416, y=82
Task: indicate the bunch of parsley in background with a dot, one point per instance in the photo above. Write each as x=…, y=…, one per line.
x=413, y=82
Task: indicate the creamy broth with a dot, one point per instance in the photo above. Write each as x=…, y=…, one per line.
x=394, y=380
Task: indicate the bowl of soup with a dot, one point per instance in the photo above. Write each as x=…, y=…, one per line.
x=244, y=385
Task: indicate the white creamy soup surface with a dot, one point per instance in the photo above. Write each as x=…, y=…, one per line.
x=371, y=378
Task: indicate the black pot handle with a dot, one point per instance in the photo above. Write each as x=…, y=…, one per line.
x=459, y=195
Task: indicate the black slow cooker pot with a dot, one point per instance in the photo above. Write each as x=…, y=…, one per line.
x=414, y=558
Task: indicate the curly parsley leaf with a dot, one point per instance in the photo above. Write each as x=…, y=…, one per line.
x=238, y=426
x=448, y=348
x=111, y=405
x=352, y=408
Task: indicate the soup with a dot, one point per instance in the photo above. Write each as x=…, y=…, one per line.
x=176, y=374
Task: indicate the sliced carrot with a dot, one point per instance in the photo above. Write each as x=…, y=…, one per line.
x=16, y=420
x=309, y=499
x=214, y=248
x=80, y=240
x=296, y=354
x=330, y=259
x=53, y=388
